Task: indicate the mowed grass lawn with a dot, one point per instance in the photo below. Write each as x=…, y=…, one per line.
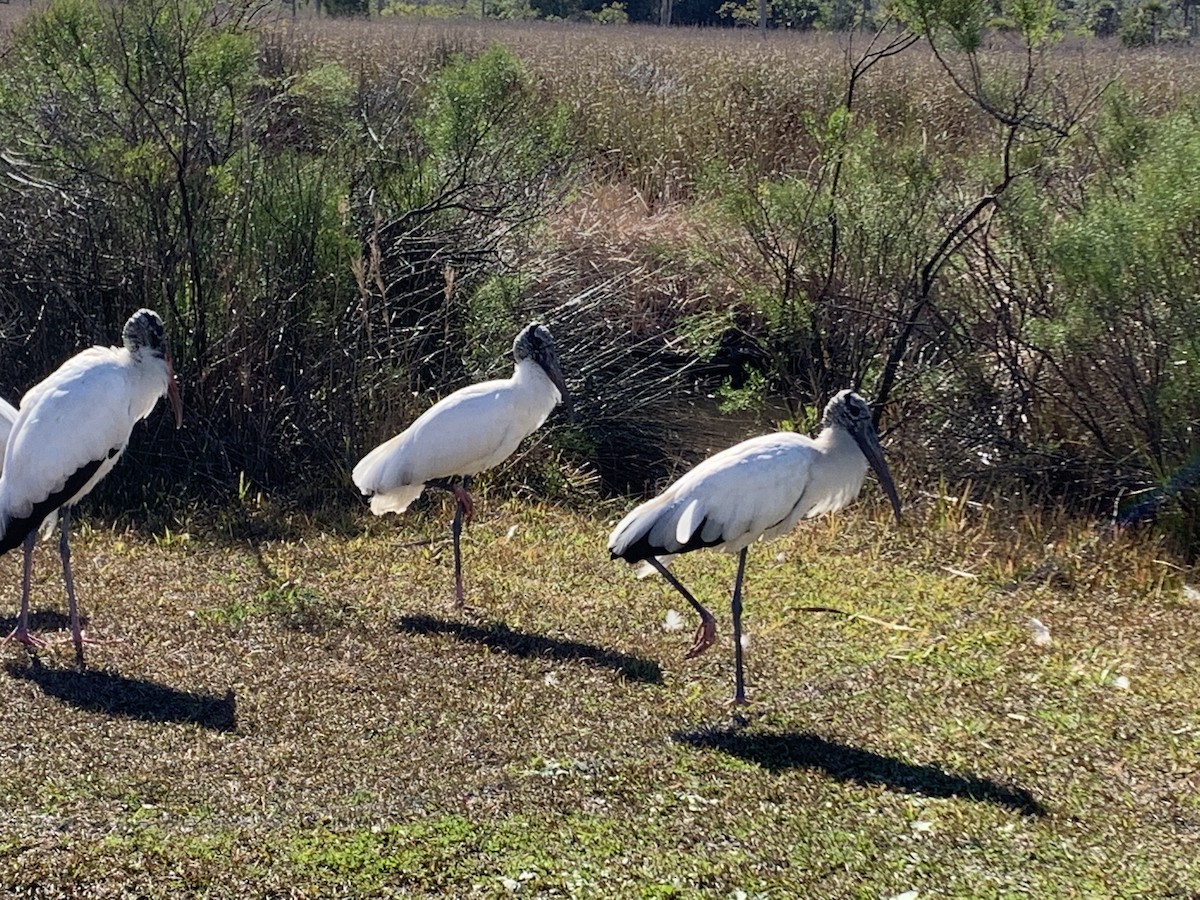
x=312, y=716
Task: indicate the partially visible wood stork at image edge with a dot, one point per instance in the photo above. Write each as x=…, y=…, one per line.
x=68, y=434
x=759, y=488
x=8, y=418
x=8, y=415
x=473, y=429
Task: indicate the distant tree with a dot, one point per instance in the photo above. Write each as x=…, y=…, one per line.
x=347, y=7
x=1143, y=27
x=554, y=9
x=693, y=12
x=611, y=14
x=1105, y=20
x=797, y=15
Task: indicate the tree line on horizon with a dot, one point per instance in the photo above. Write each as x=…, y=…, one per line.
x=1136, y=23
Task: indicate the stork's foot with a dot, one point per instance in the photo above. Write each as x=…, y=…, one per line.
x=462, y=606
x=86, y=640
x=706, y=636
x=471, y=612
x=24, y=636
x=460, y=603
x=463, y=498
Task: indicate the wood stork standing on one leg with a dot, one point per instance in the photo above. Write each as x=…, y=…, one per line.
x=68, y=434
x=759, y=488
x=475, y=428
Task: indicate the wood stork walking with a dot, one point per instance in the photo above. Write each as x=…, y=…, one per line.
x=475, y=428
x=68, y=434
x=759, y=488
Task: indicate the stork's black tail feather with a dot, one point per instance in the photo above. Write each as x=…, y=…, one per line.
x=642, y=549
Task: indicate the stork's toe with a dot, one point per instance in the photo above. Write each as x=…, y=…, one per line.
x=466, y=501
x=23, y=636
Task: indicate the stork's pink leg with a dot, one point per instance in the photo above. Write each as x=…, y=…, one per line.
x=706, y=631
x=21, y=634
x=706, y=636
x=464, y=500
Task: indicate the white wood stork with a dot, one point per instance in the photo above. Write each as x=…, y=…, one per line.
x=473, y=429
x=68, y=434
x=759, y=488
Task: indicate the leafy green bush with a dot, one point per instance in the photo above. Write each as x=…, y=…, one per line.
x=450, y=197
x=1131, y=296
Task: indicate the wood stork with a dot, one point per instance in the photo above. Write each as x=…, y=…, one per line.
x=759, y=488
x=473, y=429
x=68, y=434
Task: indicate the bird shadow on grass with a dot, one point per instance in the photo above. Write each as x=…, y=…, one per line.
x=41, y=620
x=132, y=698
x=777, y=752
x=530, y=646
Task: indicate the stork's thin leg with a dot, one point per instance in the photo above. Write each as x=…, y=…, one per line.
x=462, y=495
x=739, y=692
x=706, y=632
x=464, y=506
x=64, y=550
x=21, y=632
x=456, y=533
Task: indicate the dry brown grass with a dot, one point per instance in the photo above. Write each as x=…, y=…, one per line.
x=311, y=717
x=654, y=106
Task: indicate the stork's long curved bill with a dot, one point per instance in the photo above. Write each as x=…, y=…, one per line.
x=556, y=376
x=868, y=442
x=173, y=394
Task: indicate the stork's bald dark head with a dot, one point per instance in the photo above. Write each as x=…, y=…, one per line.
x=849, y=411
x=846, y=409
x=537, y=344
x=145, y=331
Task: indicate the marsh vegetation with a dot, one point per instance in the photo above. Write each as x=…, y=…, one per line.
x=992, y=233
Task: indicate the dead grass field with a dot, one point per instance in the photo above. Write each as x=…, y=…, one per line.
x=312, y=717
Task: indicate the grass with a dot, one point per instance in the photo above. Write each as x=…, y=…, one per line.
x=312, y=717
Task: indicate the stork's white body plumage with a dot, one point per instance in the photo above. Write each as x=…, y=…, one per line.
x=469, y=431
x=8, y=417
x=81, y=414
x=69, y=432
x=473, y=429
x=759, y=488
